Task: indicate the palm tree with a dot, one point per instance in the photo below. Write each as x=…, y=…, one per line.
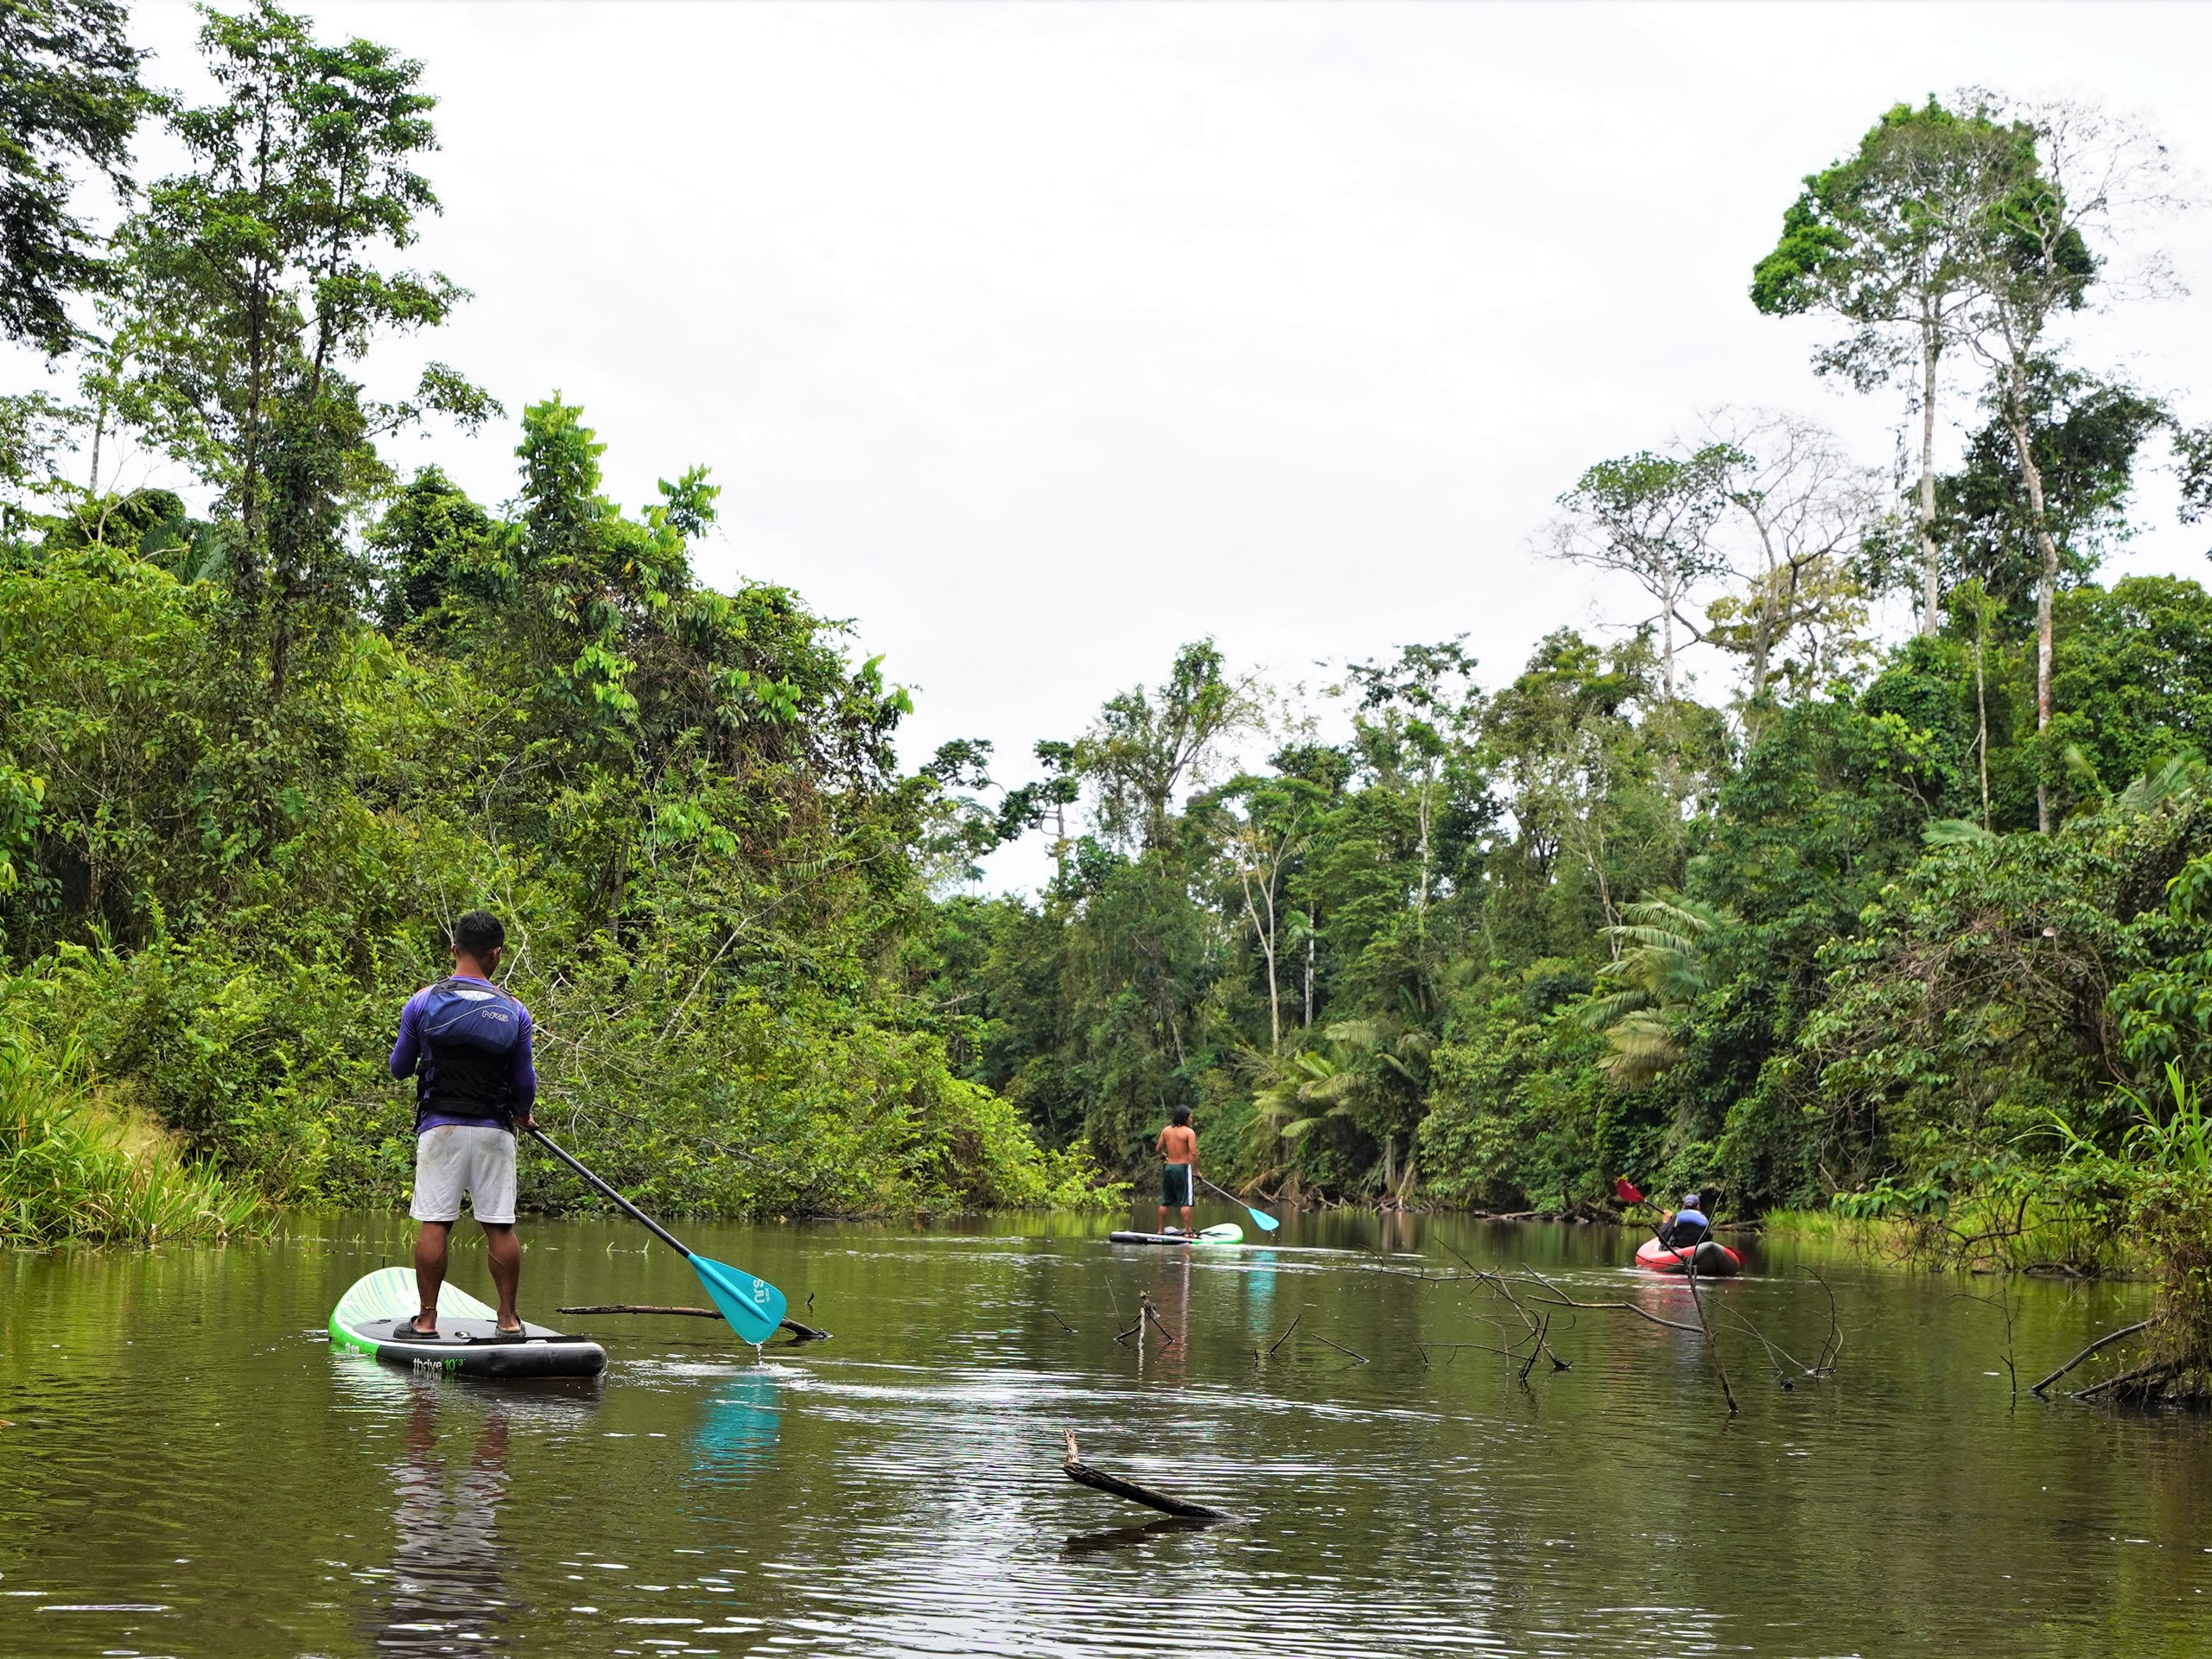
x=1352, y=1078
x=1660, y=969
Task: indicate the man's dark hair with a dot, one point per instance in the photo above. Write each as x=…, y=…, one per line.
x=478, y=934
x=1180, y=1116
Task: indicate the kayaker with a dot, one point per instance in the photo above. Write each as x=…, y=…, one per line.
x=467, y=1044
x=1686, y=1228
x=1179, y=1146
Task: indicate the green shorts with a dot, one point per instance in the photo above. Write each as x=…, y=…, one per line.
x=1175, y=1186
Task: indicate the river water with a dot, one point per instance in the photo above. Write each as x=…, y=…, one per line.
x=188, y=1468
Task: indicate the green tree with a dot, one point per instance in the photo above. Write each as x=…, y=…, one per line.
x=1802, y=511
x=1146, y=743
x=1649, y=517
x=2083, y=174
x=69, y=92
x=1661, y=968
x=1887, y=242
x=250, y=282
x=2086, y=435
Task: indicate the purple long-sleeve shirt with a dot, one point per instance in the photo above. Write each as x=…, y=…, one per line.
x=411, y=1053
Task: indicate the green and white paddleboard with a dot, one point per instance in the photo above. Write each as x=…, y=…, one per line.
x=468, y=1342
x=1227, y=1233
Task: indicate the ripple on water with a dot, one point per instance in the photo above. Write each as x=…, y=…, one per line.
x=184, y=1474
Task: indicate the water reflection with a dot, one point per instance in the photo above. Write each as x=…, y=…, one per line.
x=897, y=1495
x=447, y=1591
x=737, y=1432
x=1080, y=1544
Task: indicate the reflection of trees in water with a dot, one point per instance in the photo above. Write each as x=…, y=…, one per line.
x=446, y=1589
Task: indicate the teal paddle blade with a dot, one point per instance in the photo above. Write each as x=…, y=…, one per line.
x=753, y=1307
x=1267, y=1223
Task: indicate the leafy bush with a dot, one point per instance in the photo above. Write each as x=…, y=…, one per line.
x=69, y=1173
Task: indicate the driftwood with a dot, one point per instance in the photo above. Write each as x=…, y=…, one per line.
x=1083, y=1474
x=2157, y=1371
x=1340, y=1347
x=804, y=1333
x=2104, y=1341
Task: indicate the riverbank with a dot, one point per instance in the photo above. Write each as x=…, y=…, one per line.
x=75, y=1170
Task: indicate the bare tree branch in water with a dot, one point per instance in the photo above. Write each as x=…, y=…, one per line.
x=2104, y=1341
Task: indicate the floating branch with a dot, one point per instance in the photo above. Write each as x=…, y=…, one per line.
x=804, y=1333
x=1422, y=1348
x=1560, y=1299
x=1062, y=1323
x=1083, y=1474
x=1340, y=1347
x=1281, y=1340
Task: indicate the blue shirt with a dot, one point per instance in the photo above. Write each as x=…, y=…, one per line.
x=508, y=1034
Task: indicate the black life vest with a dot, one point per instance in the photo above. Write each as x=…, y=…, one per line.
x=470, y=1032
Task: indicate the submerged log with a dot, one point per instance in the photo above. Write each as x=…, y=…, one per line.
x=2105, y=1340
x=804, y=1333
x=1084, y=1475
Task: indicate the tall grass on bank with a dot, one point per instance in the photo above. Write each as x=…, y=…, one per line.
x=68, y=1172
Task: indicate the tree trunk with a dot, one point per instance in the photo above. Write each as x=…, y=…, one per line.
x=2046, y=588
x=1266, y=930
x=1309, y=968
x=1421, y=902
x=1981, y=704
x=1931, y=596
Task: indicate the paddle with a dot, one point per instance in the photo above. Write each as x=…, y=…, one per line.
x=1625, y=1190
x=1260, y=1218
x=753, y=1307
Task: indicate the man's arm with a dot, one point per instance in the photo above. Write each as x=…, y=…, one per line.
x=525, y=1076
x=1194, y=1155
x=407, y=1052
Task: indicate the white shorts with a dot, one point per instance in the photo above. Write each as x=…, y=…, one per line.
x=457, y=1158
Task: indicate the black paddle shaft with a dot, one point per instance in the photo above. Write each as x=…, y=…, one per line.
x=628, y=1208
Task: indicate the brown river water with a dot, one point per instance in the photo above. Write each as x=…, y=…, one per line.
x=188, y=1468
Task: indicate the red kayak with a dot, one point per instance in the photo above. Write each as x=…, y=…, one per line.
x=1714, y=1260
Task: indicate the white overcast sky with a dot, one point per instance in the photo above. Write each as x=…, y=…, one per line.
x=1039, y=338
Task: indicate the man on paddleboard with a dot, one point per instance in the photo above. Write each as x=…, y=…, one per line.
x=467, y=1044
x=1179, y=1146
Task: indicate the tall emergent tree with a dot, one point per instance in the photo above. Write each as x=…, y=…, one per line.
x=1800, y=508
x=1887, y=241
x=2078, y=173
x=1148, y=743
x=69, y=92
x=251, y=280
x=1649, y=517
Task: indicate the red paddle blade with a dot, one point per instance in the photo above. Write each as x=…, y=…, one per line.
x=1625, y=1191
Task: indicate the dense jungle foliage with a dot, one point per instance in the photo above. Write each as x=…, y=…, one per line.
x=1742, y=893
x=252, y=759
x=1903, y=926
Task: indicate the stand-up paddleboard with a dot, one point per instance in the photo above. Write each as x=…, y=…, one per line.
x=469, y=1341
x=1227, y=1233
